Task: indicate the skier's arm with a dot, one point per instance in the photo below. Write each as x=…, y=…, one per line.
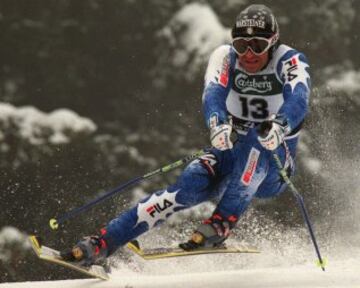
x=294, y=72
x=217, y=85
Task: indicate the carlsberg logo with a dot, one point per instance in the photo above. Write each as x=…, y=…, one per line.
x=246, y=84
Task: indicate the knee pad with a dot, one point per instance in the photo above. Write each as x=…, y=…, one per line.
x=157, y=207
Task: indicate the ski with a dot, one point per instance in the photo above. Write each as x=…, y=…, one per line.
x=51, y=255
x=160, y=253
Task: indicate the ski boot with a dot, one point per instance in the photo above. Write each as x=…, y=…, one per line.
x=210, y=234
x=88, y=251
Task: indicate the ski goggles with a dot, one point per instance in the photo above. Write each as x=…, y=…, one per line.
x=258, y=45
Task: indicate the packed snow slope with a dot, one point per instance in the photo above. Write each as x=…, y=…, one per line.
x=341, y=274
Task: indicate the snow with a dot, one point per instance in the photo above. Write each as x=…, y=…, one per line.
x=308, y=159
x=194, y=32
x=314, y=165
x=349, y=81
x=338, y=275
x=294, y=266
x=38, y=127
x=11, y=236
x=203, y=32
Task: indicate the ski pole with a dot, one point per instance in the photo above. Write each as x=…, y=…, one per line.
x=55, y=222
x=301, y=203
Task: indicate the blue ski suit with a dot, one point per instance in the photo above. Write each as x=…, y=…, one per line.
x=247, y=170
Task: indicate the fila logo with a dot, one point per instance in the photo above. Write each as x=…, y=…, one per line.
x=295, y=71
x=292, y=65
x=158, y=208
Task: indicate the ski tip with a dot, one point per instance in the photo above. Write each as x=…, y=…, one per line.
x=54, y=225
x=35, y=243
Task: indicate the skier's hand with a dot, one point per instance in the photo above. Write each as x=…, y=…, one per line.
x=272, y=132
x=220, y=137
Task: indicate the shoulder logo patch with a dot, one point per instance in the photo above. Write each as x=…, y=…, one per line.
x=224, y=74
x=295, y=71
x=291, y=65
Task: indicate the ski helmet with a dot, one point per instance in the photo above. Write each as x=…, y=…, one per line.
x=257, y=21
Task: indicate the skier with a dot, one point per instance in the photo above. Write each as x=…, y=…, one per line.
x=256, y=87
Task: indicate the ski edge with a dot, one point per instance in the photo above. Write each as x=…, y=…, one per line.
x=181, y=253
x=37, y=249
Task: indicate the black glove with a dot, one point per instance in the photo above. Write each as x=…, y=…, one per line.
x=211, y=233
